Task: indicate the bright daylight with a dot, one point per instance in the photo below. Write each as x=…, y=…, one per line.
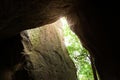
x=79, y=54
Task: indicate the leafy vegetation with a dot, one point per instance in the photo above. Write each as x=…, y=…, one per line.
x=79, y=54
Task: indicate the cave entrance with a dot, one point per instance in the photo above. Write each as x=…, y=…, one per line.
x=43, y=40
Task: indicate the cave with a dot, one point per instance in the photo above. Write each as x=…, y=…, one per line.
x=94, y=22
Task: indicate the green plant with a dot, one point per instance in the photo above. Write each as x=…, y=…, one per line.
x=79, y=54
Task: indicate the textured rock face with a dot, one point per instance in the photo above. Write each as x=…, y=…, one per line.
x=16, y=16
x=48, y=57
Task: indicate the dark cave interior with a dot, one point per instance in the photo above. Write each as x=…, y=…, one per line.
x=95, y=23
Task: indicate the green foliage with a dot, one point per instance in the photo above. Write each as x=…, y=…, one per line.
x=79, y=54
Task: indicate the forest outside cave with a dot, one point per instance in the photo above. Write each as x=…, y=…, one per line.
x=77, y=52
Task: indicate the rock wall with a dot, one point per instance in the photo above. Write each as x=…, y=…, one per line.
x=48, y=58
x=16, y=16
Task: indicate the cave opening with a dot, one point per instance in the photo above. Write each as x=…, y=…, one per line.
x=79, y=55
x=77, y=52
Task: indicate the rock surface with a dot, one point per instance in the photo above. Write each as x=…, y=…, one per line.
x=48, y=57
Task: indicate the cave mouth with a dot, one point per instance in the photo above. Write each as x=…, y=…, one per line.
x=79, y=55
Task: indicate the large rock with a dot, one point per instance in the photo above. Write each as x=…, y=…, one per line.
x=48, y=58
x=19, y=15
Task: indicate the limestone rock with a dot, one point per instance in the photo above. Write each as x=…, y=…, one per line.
x=48, y=57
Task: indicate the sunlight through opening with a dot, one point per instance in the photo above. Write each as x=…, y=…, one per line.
x=78, y=54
